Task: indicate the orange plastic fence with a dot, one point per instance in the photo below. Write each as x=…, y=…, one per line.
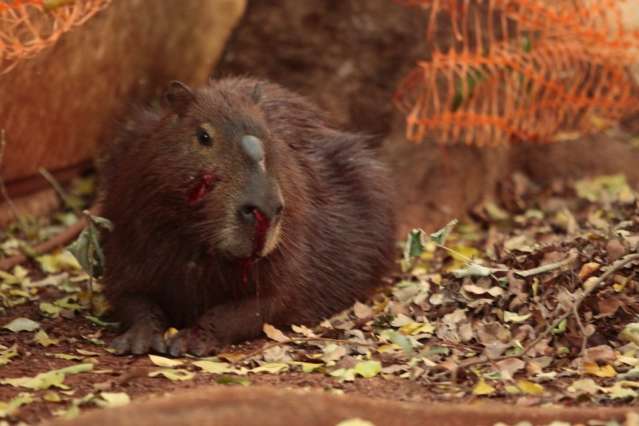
x=503, y=71
x=28, y=26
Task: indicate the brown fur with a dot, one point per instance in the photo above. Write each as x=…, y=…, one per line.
x=169, y=263
x=236, y=406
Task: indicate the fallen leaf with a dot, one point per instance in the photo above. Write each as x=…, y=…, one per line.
x=11, y=407
x=43, y=339
x=161, y=361
x=66, y=357
x=482, y=388
x=7, y=354
x=303, y=330
x=530, y=388
x=309, y=367
x=620, y=390
x=630, y=333
x=57, y=262
x=50, y=310
x=368, y=369
x=584, y=386
x=587, y=269
x=52, y=396
x=215, y=367
x=169, y=333
x=53, y=378
x=113, y=399
x=275, y=334
x=271, y=368
x=332, y=353
x=174, y=375
x=508, y=367
x=362, y=311
x=515, y=318
x=595, y=370
x=22, y=324
x=343, y=374
x=601, y=353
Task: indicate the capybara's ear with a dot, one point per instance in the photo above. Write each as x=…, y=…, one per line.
x=179, y=97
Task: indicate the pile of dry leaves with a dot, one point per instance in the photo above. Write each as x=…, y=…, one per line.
x=533, y=299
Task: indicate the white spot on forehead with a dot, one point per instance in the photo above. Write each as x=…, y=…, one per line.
x=253, y=147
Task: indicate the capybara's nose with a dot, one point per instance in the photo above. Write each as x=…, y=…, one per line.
x=249, y=212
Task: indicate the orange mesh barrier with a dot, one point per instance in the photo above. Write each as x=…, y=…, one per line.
x=28, y=26
x=503, y=71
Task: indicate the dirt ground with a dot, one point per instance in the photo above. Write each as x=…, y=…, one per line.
x=473, y=312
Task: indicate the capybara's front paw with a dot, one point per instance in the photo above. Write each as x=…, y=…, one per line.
x=195, y=341
x=141, y=338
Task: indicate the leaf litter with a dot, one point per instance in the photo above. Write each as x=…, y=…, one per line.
x=506, y=304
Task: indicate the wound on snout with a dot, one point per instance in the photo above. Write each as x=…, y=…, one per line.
x=204, y=184
x=261, y=229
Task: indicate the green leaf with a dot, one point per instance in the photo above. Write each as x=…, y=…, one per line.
x=440, y=236
x=99, y=322
x=561, y=327
x=401, y=340
x=413, y=247
x=87, y=249
x=368, y=369
x=22, y=324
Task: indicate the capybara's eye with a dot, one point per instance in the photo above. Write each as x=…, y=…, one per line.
x=203, y=137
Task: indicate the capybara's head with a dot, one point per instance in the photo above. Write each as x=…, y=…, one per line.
x=225, y=159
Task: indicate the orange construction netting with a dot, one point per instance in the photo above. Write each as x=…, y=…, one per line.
x=503, y=71
x=28, y=26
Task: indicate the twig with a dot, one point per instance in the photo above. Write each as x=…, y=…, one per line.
x=59, y=190
x=584, y=338
x=3, y=188
x=574, y=309
x=572, y=257
x=273, y=344
x=62, y=239
x=470, y=261
x=482, y=270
